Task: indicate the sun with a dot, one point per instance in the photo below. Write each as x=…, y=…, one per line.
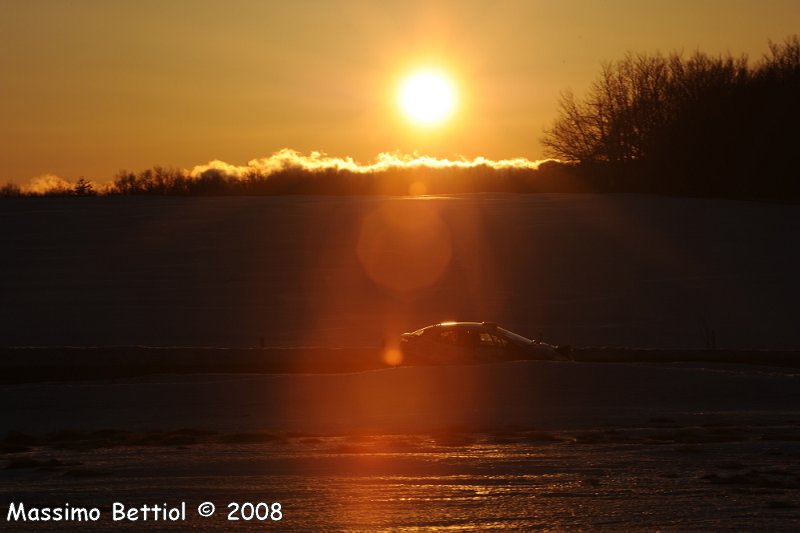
x=427, y=97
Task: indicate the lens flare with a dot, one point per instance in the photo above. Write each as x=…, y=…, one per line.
x=404, y=246
x=392, y=356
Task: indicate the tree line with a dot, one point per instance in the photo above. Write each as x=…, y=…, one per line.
x=698, y=125
x=551, y=176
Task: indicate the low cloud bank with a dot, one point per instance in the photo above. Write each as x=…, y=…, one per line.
x=47, y=183
x=287, y=159
x=291, y=172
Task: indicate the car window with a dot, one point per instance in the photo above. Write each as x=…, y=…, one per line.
x=500, y=342
x=489, y=340
x=519, y=339
x=447, y=336
x=467, y=338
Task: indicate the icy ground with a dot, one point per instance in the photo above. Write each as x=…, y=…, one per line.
x=509, y=446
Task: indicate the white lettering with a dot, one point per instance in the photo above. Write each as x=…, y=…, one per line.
x=16, y=513
x=117, y=512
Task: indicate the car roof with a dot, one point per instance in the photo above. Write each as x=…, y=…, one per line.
x=465, y=325
x=484, y=326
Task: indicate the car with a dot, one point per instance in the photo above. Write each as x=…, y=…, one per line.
x=474, y=342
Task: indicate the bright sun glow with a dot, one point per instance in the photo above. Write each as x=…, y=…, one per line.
x=427, y=97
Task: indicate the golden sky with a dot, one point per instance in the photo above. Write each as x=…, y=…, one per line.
x=91, y=87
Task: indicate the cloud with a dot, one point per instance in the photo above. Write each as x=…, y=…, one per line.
x=47, y=183
x=53, y=184
x=288, y=159
x=317, y=161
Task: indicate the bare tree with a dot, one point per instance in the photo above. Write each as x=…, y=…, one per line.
x=84, y=187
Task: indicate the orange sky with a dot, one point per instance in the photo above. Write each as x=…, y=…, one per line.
x=90, y=87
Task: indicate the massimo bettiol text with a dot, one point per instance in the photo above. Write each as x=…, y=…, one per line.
x=19, y=512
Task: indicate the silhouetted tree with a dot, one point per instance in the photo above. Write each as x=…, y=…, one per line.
x=702, y=125
x=628, y=105
x=10, y=190
x=83, y=187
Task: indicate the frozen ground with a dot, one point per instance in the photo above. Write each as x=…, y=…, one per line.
x=536, y=394
x=510, y=446
x=591, y=270
x=663, y=478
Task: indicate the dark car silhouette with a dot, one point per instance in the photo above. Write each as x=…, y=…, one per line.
x=474, y=342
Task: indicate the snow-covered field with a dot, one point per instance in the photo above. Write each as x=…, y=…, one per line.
x=595, y=270
x=513, y=445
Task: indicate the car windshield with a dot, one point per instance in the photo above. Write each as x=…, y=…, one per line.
x=514, y=337
x=420, y=331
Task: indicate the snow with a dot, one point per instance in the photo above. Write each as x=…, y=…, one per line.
x=624, y=270
x=513, y=446
x=537, y=394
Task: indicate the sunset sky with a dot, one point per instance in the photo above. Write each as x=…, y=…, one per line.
x=91, y=87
